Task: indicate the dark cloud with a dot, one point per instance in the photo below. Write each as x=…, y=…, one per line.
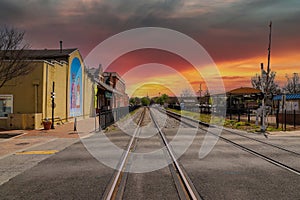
x=10, y=12
x=228, y=31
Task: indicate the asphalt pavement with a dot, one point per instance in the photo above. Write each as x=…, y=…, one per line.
x=56, y=164
x=29, y=147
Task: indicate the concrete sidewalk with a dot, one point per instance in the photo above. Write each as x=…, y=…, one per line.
x=285, y=133
x=24, y=151
x=26, y=139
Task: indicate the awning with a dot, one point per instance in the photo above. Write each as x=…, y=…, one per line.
x=107, y=87
x=288, y=97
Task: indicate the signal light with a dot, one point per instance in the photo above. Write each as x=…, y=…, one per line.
x=52, y=95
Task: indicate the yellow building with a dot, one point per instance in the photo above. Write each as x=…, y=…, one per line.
x=26, y=101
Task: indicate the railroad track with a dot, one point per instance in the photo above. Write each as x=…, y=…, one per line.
x=176, y=116
x=203, y=126
x=182, y=182
x=187, y=188
x=112, y=190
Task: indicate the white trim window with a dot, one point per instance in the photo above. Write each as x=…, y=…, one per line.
x=6, y=105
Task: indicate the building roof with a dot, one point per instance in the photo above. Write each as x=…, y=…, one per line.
x=244, y=90
x=115, y=74
x=46, y=54
x=288, y=97
x=93, y=73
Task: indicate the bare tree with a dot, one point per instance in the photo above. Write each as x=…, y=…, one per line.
x=186, y=93
x=12, y=55
x=293, y=84
x=271, y=87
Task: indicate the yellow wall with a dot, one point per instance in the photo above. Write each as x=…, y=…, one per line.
x=23, y=90
x=89, y=96
x=26, y=99
x=57, y=73
x=3, y=123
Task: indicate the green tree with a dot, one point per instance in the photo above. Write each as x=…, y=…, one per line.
x=145, y=101
x=164, y=97
x=161, y=99
x=132, y=101
x=135, y=101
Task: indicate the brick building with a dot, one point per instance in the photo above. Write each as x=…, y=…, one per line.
x=110, y=91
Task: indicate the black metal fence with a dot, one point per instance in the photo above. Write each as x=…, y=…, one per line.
x=290, y=119
x=108, y=117
x=287, y=117
x=205, y=109
x=238, y=114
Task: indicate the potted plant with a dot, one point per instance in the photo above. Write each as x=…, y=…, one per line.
x=47, y=124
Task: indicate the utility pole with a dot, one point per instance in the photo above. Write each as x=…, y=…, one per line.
x=264, y=76
x=265, y=81
x=269, y=48
x=269, y=58
x=200, y=92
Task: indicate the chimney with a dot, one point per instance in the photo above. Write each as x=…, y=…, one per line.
x=60, y=44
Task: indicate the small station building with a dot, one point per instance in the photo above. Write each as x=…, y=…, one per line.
x=26, y=100
x=242, y=99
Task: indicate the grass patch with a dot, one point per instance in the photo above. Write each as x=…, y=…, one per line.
x=271, y=128
x=229, y=123
x=193, y=115
x=207, y=118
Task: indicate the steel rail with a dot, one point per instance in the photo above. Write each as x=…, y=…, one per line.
x=184, y=179
x=266, y=158
x=275, y=162
x=124, y=160
x=269, y=144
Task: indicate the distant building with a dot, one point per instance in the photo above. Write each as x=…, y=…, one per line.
x=110, y=91
x=288, y=108
x=291, y=102
x=26, y=100
x=120, y=98
x=188, y=103
x=111, y=100
x=242, y=99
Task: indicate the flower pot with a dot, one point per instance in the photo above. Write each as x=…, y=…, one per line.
x=47, y=125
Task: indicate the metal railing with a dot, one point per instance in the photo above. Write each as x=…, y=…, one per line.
x=108, y=117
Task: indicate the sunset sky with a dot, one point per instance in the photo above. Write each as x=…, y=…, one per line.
x=233, y=32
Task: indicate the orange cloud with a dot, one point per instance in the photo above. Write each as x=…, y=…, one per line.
x=171, y=71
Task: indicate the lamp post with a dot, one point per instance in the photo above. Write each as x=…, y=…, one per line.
x=53, y=104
